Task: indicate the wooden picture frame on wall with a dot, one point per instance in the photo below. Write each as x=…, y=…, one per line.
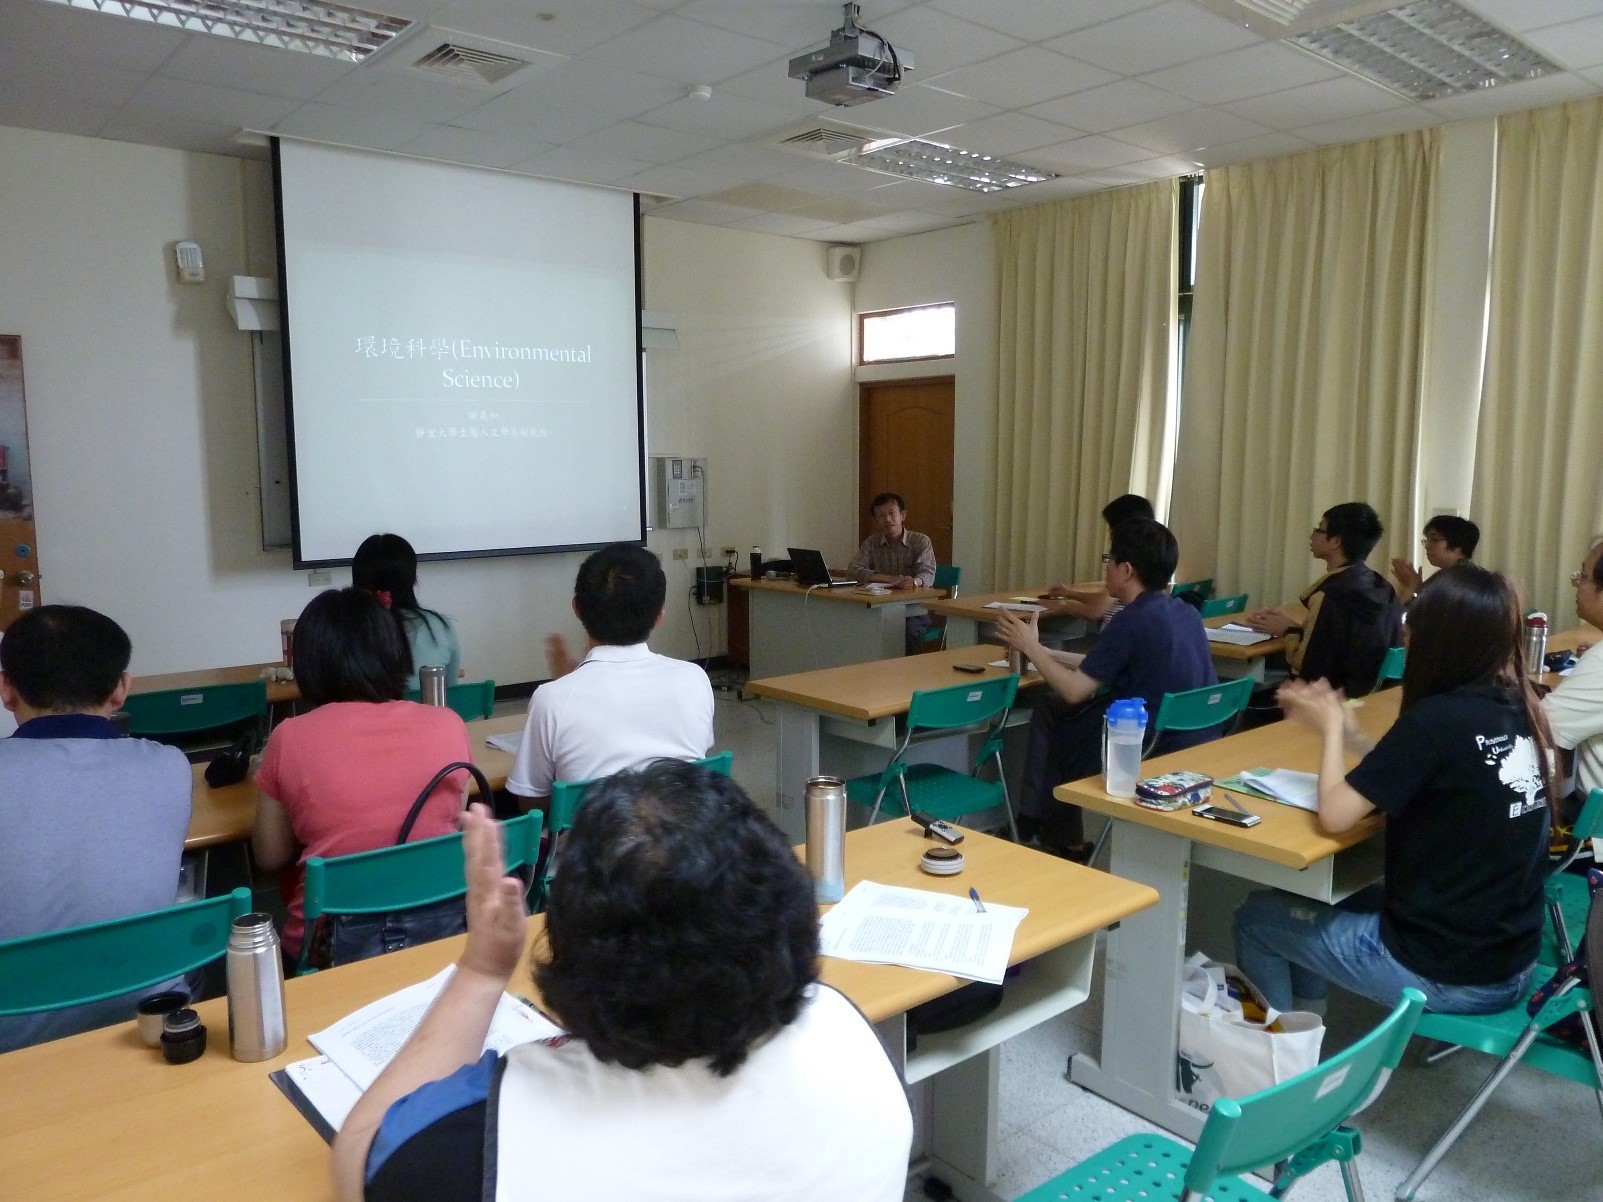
x=19, y=551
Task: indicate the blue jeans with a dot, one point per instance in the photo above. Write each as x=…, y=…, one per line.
x=1292, y=948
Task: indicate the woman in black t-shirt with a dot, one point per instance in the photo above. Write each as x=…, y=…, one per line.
x=1463, y=777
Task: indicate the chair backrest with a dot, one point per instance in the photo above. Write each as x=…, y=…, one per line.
x=1196, y=709
x=1275, y=1123
x=1391, y=664
x=567, y=794
x=475, y=699
x=948, y=576
x=79, y=965
x=1202, y=588
x=961, y=704
x=187, y=711
x=1217, y=607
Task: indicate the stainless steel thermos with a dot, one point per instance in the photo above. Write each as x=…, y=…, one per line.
x=1535, y=642
x=431, y=682
x=256, y=1025
x=826, y=836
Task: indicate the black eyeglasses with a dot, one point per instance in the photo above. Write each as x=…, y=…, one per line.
x=1106, y=557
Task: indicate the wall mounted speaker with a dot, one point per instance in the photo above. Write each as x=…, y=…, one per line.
x=841, y=263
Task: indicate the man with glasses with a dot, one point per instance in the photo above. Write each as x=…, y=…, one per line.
x=1448, y=540
x=1575, y=708
x=1153, y=645
x=1349, y=618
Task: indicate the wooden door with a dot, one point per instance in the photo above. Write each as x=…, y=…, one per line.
x=19, y=553
x=905, y=446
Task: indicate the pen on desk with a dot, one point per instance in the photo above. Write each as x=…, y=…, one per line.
x=974, y=896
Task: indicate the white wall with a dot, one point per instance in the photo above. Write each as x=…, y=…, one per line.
x=142, y=421
x=955, y=265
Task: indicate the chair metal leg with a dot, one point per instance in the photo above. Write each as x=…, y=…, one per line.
x=1406, y=1191
x=1597, y=1055
x=1007, y=800
x=1561, y=931
x=1101, y=840
x=1349, y=1178
x=1441, y=1054
x=874, y=816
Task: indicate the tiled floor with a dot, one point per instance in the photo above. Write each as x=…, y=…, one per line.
x=1539, y=1139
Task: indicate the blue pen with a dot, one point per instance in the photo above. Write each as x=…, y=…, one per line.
x=974, y=896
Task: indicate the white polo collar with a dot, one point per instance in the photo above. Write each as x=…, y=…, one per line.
x=616, y=654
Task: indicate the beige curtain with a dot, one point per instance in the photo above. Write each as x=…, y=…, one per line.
x=1539, y=458
x=1303, y=372
x=1085, y=331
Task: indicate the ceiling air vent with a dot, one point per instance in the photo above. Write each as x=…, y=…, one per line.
x=465, y=64
x=827, y=143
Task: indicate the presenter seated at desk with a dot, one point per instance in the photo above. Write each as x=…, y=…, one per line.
x=386, y=566
x=1463, y=777
x=621, y=705
x=896, y=556
x=1100, y=606
x=341, y=777
x=1154, y=645
x=1447, y=540
x=1347, y=619
x=92, y=825
x=1575, y=707
x=703, y=1058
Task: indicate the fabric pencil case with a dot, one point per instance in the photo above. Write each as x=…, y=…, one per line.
x=1173, y=790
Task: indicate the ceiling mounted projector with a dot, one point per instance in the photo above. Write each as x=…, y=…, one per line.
x=857, y=66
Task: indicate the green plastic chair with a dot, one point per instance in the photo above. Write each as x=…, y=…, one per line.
x=80, y=965
x=1203, y=589
x=1301, y=1122
x=473, y=700
x=566, y=796
x=1518, y=1038
x=402, y=877
x=947, y=576
x=938, y=790
x=1391, y=665
x=1567, y=896
x=1218, y=607
x=170, y=713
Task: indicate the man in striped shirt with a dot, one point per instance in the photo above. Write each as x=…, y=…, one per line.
x=896, y=556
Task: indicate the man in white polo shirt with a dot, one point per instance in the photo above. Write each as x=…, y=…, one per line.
x=621, y=705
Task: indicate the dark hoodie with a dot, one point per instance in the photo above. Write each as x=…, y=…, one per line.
x=1354, y=617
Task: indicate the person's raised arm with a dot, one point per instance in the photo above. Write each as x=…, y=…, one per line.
x=1060, y=669
x=1408, y=578
x=1315, y=705
x=452, y=1033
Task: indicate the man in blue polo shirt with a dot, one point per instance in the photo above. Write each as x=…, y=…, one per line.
x=1153, y=645
x=92, y=825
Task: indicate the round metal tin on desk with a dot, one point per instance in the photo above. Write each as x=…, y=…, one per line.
x=942, y=861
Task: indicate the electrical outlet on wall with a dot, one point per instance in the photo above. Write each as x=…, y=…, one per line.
x=319, y=578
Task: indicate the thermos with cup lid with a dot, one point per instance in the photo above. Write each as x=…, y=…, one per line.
x=256, y=1026
x=431, y=683
x=825, y=801
x=1535, y=642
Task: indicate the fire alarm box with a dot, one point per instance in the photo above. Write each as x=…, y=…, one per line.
x=678, y=493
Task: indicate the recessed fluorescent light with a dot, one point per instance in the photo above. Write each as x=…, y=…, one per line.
x=936, y=164
x=1426, y=50
x=332, y=30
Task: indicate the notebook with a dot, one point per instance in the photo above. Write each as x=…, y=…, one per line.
x=809, y=569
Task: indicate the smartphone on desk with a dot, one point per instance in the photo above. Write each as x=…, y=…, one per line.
x=1221, y=814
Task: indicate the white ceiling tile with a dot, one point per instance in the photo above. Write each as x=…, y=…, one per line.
x=1187, y=132
x=1250, y=150
x=1574, y=44
x=705, y=212
x=1238, y=74
x=836, y=179
x=652, y=143
x=253, y=68
x=742, y=163
x=555, y=26
x=1520, y=15
x=917, y=110
x=351, y=127
x=1008, y=134
x=1035, y=21
x=799, y=24
x=574, y=99
x=673, y=181
x=906, y=222
x=724, y=115
x=770, y=84
x=906, y=195
x=1372, y=125
x=201, y=103
x=56, y=112
x=198, y=134
x=1058, y=189
x=1511, y=97
x=53, y=33
x=585, y=166
x=413, y=94
x=1088, y=154
x=686, y=51
x=1154, y=38
x=475, y=147
x=22, y=76
x=1021, y=78
x=939, y=42
x=1127, y=102
x=787, y=224
x=1316, y=103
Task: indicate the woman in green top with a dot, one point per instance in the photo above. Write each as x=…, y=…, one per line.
x=386, y=566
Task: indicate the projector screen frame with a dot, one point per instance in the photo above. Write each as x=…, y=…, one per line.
x=300, y=563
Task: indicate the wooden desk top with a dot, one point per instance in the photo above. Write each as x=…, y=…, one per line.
x=102, y=1116
x=277, y=691
x=857, y=596
x=1568, y=640
x=1287, y=835
x=1233, y=651
x=974, y=607
x=882, y=688
x=226, y=815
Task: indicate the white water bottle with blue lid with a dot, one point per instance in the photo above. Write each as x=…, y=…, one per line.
x=1124, y=732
